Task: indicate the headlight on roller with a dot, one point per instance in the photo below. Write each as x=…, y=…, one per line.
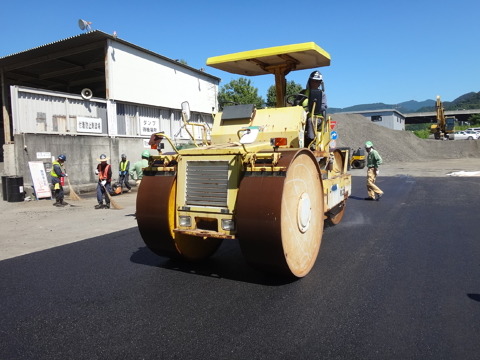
x=185, y=221
x=228, y=224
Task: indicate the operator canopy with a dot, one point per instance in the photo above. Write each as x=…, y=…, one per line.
x=278, y=60
x=265, y=61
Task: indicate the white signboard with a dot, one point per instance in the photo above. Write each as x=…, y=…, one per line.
x=89, y=125
x=149, y=126
x=44, y=155
x=39, y=177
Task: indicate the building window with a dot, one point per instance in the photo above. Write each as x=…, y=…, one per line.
x=376, y=117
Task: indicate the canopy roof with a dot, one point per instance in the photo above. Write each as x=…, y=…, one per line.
x=264, y=61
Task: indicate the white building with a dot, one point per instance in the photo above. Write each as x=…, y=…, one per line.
x=389, y=118
x=94, y=93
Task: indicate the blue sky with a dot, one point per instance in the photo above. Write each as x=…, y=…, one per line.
x=381, y=51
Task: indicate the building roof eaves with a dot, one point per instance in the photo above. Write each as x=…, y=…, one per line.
x=84, y=39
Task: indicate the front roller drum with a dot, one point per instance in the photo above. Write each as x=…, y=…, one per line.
x=280, y=217
x=156, y=221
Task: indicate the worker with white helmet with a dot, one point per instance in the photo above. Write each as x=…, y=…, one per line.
x=373, y=161
x=104, y=172
x=315, y=82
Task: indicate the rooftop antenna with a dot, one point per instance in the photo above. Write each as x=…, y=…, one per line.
x=82, y=24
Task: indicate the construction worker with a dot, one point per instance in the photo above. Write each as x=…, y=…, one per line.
x=137, y=170
x=373, y=161
x=123, y=172
x=58, y=174
x=104, y=172
x=315, y=82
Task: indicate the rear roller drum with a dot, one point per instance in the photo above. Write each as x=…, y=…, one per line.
x=280, y=218
x=337, y=169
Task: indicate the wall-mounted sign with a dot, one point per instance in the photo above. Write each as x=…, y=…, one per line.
x=89, y=125
x=44, y=155
x=149, y=126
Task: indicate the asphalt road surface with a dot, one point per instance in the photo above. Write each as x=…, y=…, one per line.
x=396, y=279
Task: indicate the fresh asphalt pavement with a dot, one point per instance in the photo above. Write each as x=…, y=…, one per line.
x=396, y=279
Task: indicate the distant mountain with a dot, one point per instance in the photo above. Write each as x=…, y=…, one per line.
x=467, y=101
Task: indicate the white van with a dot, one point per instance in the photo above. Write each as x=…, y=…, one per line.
x=474, y=129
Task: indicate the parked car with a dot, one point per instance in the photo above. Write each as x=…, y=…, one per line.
x=465, y=135
x=477, y=130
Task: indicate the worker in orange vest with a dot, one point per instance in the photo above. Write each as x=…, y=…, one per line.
x=104, y=172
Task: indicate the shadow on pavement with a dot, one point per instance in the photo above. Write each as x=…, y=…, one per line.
x=227, y=263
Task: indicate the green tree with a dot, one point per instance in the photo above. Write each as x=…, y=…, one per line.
x=474, y=119
x=292, y=88
x=239, y=91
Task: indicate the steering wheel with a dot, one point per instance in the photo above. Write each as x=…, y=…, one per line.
x=290, y=99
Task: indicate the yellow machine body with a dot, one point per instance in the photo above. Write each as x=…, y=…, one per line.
x=255, y=166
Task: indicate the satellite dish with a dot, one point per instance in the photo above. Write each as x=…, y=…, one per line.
x=86, y=94
x=82, y=24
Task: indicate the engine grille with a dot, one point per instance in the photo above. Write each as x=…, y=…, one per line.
x=207, y=183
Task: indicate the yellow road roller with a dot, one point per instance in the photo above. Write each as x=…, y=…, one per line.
x=255, y=180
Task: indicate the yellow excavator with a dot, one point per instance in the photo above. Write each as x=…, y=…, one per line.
x=254, y=180
x=444, y=129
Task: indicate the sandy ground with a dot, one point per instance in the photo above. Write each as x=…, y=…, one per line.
x=31, y=226
x=37, y=225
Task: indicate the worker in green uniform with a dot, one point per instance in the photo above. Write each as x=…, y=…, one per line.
x=137, y=171
x=373, y=161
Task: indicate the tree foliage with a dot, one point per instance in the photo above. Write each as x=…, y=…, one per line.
x=292, y=88
x=239, y=91
x=474, y=119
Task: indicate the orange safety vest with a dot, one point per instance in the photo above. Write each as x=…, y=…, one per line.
x=103, y=175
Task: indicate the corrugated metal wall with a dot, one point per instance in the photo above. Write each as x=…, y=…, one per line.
x=41, y=111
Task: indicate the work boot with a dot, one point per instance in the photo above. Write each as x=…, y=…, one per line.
x=379, y=196
x=63, y=203
x=106, y=206
x=99, y=206
x=58, y=204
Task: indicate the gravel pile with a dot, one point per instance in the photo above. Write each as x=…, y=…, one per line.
x=399, y=146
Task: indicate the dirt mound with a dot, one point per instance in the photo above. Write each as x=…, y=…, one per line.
x=399, y=146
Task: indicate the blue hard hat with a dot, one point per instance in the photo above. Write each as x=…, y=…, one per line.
x=62, y=157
